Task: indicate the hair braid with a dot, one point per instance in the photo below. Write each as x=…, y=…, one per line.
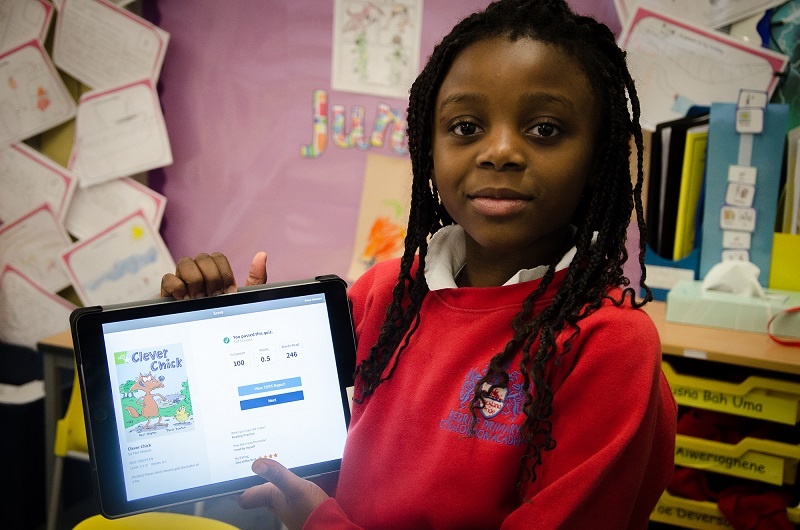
x=602, y=217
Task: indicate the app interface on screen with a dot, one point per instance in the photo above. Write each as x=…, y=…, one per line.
x=201, y=395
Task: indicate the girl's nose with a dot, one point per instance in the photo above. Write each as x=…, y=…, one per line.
x=502, y=150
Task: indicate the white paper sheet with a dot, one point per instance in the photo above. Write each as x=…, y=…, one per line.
x=677, y=64
x=376, y=46
x=123, y=263
x=23, y=20
x=791, y=213
x=97, y=207
x=119, y=132
x=27, y=178
x=33, y=243
x=104, y=45
x=707, y=13
x=33, y=97
x=28, y=313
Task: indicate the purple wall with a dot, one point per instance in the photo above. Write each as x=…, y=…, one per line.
x=237, y=87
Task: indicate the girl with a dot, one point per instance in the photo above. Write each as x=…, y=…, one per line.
x=506, y=376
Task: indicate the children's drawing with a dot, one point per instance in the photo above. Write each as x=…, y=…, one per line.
x=383, y=213
x=385, y=240
x=140, y=258
x=376, y=46
x=29, y=312
x=119, y=132
x=33, y=244
x=33, y=98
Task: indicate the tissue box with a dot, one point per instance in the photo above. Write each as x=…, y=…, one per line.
x=687, y=303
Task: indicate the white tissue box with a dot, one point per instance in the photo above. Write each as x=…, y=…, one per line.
x=687, y=303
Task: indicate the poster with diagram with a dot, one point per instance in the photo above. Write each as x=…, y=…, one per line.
x=376, y=46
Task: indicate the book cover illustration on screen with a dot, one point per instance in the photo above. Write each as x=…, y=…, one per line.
x=154, y=393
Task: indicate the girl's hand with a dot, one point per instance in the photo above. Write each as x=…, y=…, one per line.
x=209, y=275
x=286, y=495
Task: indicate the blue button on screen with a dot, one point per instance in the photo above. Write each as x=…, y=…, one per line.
x=270, y=386
x=267, y=401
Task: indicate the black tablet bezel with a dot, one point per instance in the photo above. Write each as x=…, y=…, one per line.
x=98, y=398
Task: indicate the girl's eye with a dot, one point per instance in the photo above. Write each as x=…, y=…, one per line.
x=545, y=130
x=465, y=128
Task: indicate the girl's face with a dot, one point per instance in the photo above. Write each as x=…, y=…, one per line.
x=515, y=138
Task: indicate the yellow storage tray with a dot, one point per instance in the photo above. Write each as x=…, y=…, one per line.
x=752, y=458
x=700, y=515
x=756, y=397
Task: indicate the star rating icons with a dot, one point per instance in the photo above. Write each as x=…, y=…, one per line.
x=270, y=456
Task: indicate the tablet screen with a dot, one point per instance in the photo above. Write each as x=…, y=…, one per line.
x=197, y=394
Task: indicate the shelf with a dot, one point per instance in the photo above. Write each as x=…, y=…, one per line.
x=741, y=348
x=758, y=396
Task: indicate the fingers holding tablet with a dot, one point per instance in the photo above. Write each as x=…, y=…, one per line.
x=283, y=353
x=205, y=275
x=288, y=496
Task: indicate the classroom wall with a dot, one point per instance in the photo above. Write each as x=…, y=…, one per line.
x=236, y=89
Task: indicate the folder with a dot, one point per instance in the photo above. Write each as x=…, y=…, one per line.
x=666, y=171
x=694, y=165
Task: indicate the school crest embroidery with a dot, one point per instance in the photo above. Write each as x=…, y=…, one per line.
x=494, y=401
x=498, y=419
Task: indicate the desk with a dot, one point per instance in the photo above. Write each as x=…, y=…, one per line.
x=57, y=353
x=740, y=348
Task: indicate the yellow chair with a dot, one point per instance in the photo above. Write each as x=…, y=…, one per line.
x=153, y=521
x=70, y=441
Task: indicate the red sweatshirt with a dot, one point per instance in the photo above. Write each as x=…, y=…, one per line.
x=408, y=463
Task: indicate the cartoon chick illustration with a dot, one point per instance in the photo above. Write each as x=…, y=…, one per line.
x=181, y=415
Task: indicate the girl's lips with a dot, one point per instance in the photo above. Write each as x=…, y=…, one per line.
x=493, y=207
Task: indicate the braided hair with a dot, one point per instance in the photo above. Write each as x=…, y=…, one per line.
x=605, y=209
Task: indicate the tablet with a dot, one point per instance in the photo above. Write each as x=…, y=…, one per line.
x=180, y=397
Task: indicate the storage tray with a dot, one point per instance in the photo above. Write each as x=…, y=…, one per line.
x=752, y=458
x=756, y=397
x=700, y=515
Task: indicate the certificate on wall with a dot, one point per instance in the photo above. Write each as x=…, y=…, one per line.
x=123, y=263
x=102, y=45
x=119, y=132
x=28, y=312
x=678, y=65
x=33, y=98
x=23, y=20
x=97, y=207
x=708, y=13
x=33, y=244
x=376, y=46
x=27, y=178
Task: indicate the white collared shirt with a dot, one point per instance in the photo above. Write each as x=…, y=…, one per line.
x=447, y=254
